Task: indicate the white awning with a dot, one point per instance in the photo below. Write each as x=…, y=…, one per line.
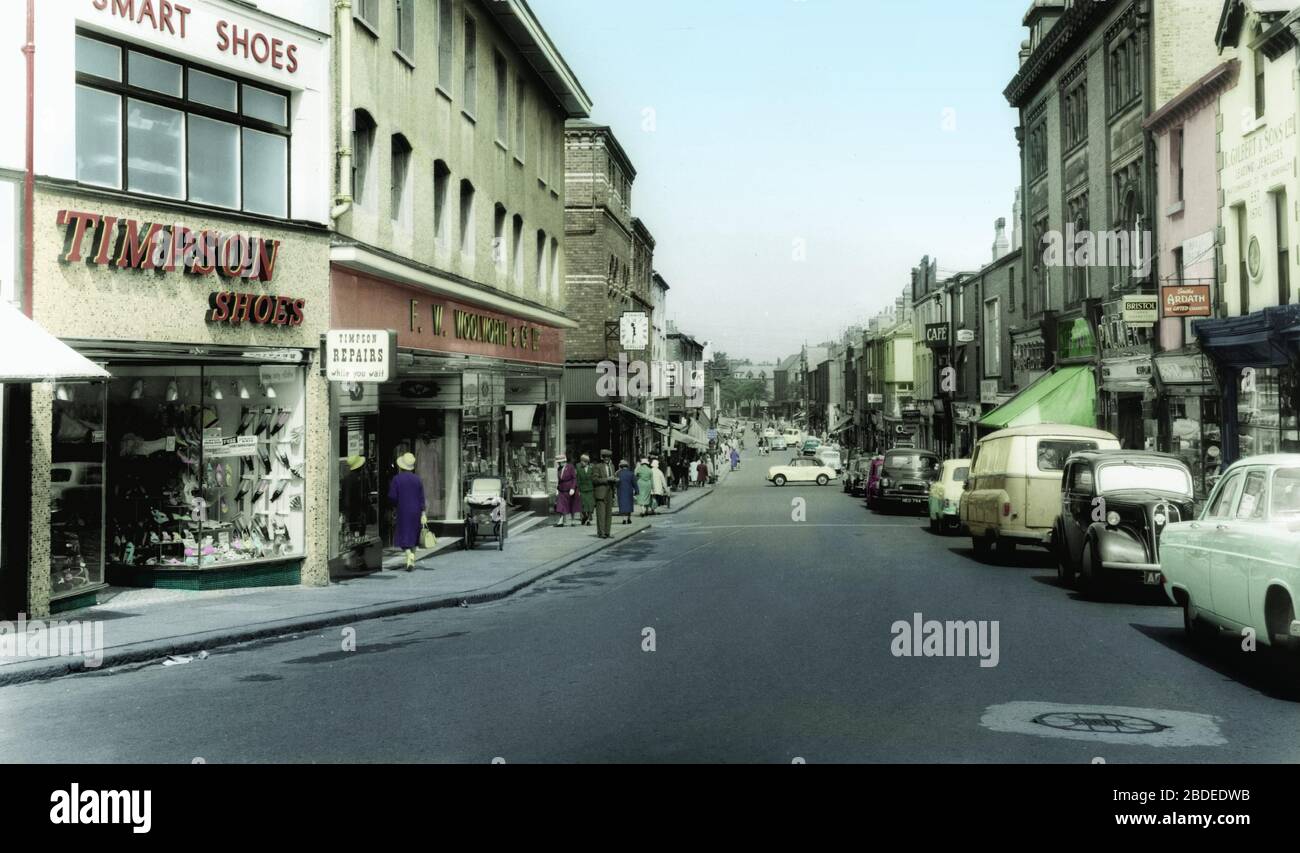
x=28, y=353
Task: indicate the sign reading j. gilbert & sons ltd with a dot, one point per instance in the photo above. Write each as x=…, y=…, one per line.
x=129, y=244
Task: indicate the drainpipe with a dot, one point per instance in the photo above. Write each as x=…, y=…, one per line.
x=343, y=148
x=29, y=204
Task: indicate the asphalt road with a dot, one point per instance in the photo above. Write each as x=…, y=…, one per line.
x=772, y=643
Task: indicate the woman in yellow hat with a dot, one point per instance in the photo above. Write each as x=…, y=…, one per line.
x=406, y=493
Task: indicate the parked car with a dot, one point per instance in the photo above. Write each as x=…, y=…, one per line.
x=873, y=482
x=905, y=480
x=793, y=437
x=1013, y=494
x=810, y=446
x=778, y=443
x=1115, y=505
x=830, y=458
x=801, y=470
x=1237, y=565
x=855, y=475
x=945, y=495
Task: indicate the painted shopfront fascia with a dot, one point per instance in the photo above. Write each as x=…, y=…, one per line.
x=83, y=300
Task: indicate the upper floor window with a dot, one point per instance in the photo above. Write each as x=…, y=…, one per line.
x=1260, y=89
x=470, y=95
x=405, y=10
x=466, y=218
x=367, y=11
x=363, y=144
x=162, y=127
x=446, y=44
x=1037, y=150
x=1176, y=162
x=520, y=116
x=503, y=98
x=1124, y=69
x=400, y=177
x=441, y=182
x=1074, y=113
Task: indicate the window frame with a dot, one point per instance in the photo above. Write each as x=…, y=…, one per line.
x=125, y=91
x=371, y=26
x=404, y=35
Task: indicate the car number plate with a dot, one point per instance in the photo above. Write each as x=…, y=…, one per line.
x=1151, y=578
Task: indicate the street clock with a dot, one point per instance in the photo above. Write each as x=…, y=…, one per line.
x=634, y=330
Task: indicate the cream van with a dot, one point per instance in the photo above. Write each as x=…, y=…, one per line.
x=1013, y=494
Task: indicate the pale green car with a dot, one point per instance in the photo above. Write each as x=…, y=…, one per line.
x=945, y=495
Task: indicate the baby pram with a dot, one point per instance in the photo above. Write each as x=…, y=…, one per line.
x=485, y=511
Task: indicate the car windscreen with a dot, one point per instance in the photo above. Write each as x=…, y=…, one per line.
x=959, y=475
x=1052, y=453
x=909, y=461
x=1163, y=478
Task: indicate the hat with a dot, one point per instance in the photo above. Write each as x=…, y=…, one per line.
x=584, y=458
x=406, y=462
x=606, y=454
x=355, y=462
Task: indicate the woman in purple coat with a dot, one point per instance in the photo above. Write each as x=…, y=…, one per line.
x=406, y=494
x=567, y=501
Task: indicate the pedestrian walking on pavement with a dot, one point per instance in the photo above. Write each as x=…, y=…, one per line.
x=586, y=490
x=735, y=458
x=406, y=494
x=658, y=486
x=702, y=473
x=566, y=498
x=603, y=480
x=644, y=487
x=627, y=489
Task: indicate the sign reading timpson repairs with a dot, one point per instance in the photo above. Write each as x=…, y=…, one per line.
x=129, y=244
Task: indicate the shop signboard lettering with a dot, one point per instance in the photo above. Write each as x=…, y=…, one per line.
x=360, y=355
x=989, y=391
x=235, y=446
x=936, y=334
x=230, y=37
x=1187, y=300
x=130, y=244
x=1141, y=309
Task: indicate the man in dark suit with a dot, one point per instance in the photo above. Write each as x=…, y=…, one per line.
x=602, y=481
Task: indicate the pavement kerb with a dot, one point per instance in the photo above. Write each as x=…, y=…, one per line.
x=47, y=668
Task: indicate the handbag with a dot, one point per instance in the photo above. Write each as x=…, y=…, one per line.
x=427, y=540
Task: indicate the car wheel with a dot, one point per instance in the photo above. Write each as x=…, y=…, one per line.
x=1092, y=579
x=779, y=479
x=1064, y=565
x=981, y=546
x=822, y=479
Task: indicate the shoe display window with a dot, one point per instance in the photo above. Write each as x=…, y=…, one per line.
x=204, y=465
x=77, y=489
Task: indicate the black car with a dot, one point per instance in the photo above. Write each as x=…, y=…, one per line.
x=905, y=480
x=1114, y=506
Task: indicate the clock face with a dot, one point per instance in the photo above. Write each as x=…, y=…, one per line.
x=634, y=331
x=1252, y=257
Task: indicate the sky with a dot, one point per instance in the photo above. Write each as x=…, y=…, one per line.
x=796, y=158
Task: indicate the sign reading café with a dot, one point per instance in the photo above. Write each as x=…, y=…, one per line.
x=155, y=247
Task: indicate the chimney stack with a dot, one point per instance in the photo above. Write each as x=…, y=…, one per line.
x=1000, y=244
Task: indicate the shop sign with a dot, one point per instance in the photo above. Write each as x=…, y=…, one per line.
x=1118, y=336
x=360, y=355
x=229, y=37
x=713, y=435
x=875, y=399
x=1141, y=309
x=216, y=447
x=1186, y=300
x=989, y=391
x=277, y=374
x=1074, y=339
x=965, y=336
x=936, y=334
x=1185, y=370
x=130, y=244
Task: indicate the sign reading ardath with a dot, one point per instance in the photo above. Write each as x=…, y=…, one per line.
x=130, y=244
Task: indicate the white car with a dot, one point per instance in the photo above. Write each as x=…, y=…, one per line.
x=1236, y=566
x=802, y=470
x=830, y=458
x=769, y=433
x=778, y=443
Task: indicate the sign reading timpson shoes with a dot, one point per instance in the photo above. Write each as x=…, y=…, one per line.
x=129, y=244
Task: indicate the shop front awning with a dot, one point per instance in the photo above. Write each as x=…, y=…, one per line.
x=688, y=440
x=637, y=413
x=1262, y=339
x=843, y=424
x=28, y=353
x=1067, y=396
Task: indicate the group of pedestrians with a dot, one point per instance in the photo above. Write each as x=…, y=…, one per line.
x=587, y=491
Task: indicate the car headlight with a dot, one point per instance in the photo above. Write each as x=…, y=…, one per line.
x=884, y=481
x=1112, y=518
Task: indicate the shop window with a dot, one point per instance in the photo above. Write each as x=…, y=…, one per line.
x=205, y=466
x=77, y=489
x=358, y=490
x=189, y=134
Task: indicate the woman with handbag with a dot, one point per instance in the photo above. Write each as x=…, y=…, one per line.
x=406, y=494
x=566, y=498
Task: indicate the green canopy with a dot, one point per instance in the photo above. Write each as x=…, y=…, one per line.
x=1064, y=397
